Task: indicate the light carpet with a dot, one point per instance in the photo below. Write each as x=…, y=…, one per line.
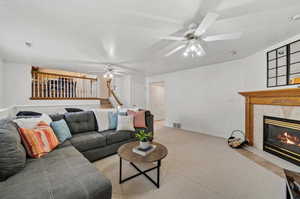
x=198, y=166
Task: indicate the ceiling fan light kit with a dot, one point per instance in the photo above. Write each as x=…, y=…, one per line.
x=193, y=50
x=108, y=75
x=295, y=17
x=194, y=35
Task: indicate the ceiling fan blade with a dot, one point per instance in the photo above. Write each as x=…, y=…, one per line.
x=120, y=71
x=223, y=37
x=208, y=20
x=173, y=38
x=121, y=74
x=115, y=64
x=175, y=50
x=97, y=71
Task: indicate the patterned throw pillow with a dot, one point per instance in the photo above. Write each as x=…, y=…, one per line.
x=125, y=123
x=61, y=130
x=139, y=118
x=39, y=141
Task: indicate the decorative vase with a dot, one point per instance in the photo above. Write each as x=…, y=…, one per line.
x=144, y=145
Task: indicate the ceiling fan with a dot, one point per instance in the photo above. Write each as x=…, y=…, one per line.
x=109, y=72
x=193, y=37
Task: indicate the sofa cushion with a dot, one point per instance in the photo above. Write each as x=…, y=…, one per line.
x=61, y=130
x=89, y=140
x=57, y=117
x=65, y=144
x=12, y=153
x=81, y=122
x=63, y=173
x=113, y=137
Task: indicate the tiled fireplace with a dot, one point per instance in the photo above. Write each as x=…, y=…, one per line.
x=281, y=137
x=272, y=125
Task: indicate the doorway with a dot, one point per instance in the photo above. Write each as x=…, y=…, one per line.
x=157, y=100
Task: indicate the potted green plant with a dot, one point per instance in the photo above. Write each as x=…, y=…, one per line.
x=144, y=139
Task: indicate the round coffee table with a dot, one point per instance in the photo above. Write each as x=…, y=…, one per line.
x=125, y=152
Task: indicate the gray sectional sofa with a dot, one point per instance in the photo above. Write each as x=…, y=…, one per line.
x=66, y=172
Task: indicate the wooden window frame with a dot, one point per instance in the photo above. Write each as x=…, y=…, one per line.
x=288, y=65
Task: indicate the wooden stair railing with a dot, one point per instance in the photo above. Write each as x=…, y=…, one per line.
x=112, y=93
x=62, y=85
x=116, y=98
x=105, y=103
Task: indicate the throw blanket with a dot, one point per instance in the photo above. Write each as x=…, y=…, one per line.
x=102, y=119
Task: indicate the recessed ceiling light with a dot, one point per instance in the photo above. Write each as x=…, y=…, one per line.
x=28, y=44
x=233, y=52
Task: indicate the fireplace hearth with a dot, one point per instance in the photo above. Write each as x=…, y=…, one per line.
x=282, y=138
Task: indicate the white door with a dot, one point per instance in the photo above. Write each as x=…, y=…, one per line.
x=157, y=100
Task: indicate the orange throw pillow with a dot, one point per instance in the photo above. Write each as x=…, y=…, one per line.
x=139, y=118
x=40, y=140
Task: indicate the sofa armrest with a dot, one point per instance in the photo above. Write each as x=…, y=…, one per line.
x=149, y=123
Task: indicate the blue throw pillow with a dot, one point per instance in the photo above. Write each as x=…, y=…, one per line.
x=61, y=130
x=113, y=120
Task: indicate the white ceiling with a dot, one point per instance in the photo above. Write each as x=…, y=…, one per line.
x=76, y=34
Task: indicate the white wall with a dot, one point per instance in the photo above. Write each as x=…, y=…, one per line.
x=131, y=89
x=1, y=84
x=206, y=99
x=123, y=89
x=17, y=89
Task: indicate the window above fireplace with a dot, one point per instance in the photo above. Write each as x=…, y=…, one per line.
x=283, y=65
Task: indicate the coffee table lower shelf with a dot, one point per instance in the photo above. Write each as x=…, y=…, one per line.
x=140, y=172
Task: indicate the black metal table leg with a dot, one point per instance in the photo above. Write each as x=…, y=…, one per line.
x=140, y=172
x=158, y=172
x=288, y=196
x=120, y=174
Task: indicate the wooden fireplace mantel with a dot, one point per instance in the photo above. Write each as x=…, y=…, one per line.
x=278, y=97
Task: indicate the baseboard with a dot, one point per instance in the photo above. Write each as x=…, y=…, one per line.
x=204, y=132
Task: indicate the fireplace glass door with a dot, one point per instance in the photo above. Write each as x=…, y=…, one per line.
x=282, y=138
